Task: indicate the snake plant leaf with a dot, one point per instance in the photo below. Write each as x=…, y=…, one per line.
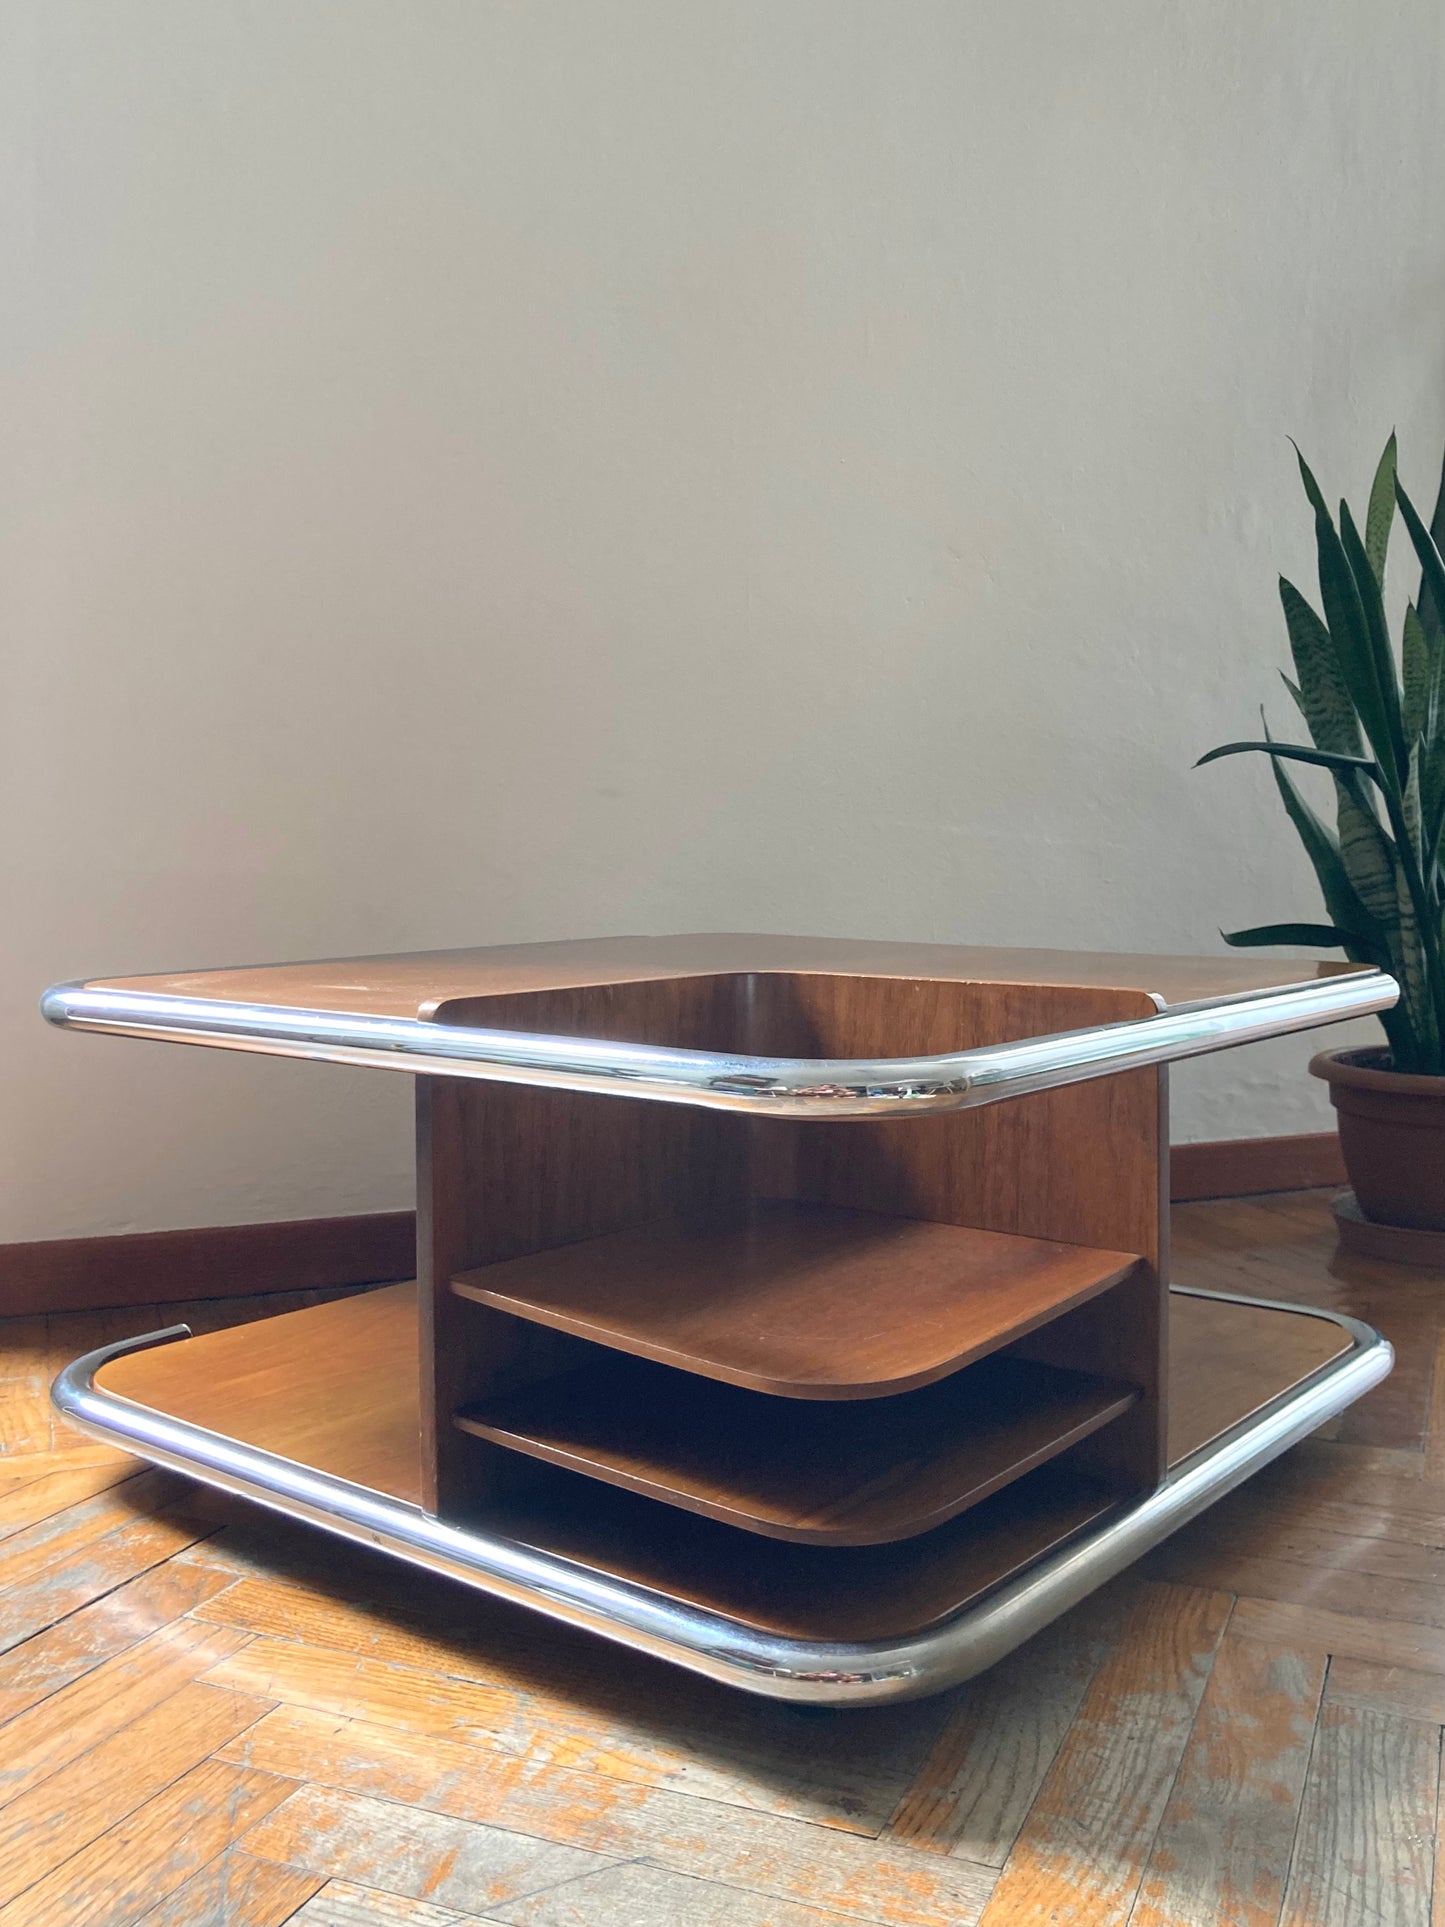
x=1391, y=753
x=1296, y=696
x=1381, y=513
x=1432, y=612
x=1350, y=633
x=1432, y=728
x=1410, y=802
x=1435, y=694
x=1325, y=701
x=1419, y=931
x=1364, y=850
x=1432, y=569
x=1432, y=764
x=1369, y=859
x=1437, y=514
x=1312, y=487
x=1318, y=936
x=1341, y=898
x=1345, y=907
x=1297, y=753
x=1411, y=971
x=1414, y=675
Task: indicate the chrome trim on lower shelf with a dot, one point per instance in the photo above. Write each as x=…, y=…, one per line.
x=772, y=1086
x=821, y=1673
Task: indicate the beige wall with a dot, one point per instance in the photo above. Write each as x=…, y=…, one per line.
x=478, y=472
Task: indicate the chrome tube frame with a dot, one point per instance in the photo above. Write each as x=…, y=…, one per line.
x=817, y=1672
x=773, y=1086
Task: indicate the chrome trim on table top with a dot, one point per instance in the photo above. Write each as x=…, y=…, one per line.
x=805, y=1671
x=772, y=1086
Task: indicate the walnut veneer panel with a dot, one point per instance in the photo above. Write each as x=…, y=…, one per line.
x=333, y=1387
x=423, y=982
x=806, y=1301
x=1086, y=1164
x=506, y=1169
x=820, y=1592
x=818, y=1473
x=1080, y=1163
x=1228, y=1360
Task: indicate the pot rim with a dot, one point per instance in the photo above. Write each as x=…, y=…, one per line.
x=1340, y=1067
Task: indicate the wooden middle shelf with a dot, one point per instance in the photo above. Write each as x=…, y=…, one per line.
x=801, y=1300
x=838, y=1473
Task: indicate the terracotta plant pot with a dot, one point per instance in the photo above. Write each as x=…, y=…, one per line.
x=1392, y=1133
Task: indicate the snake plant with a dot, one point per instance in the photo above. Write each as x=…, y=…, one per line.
x=1378, y=726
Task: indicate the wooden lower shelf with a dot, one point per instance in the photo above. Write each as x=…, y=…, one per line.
x=821, y=1592
x=801, y=1300
x=335, y=1388
x=838, y=1473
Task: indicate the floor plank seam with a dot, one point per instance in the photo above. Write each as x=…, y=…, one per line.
x=1147, y=1856
x=591, y=1873
x=490, y=1758
x=10, y=1653
x=488, y=1753
x=49, y=1625
x=1433, y=1456
x=1294, y=1842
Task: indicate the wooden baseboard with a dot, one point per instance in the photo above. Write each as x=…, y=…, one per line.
x=216, y=1261
x=1242, y=1166
x=308, y=1254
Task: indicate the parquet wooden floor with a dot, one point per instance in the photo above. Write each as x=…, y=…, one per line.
x=212, y=1719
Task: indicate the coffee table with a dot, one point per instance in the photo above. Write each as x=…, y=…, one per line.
x=793, y=1309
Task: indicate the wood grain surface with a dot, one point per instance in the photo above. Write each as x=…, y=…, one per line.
x=1224, y=1843
x=424, y=983
x=221, y=1260
x=839, y=1473
x=1093, y=1822
x=325, y=1386
x=790, y=1298
x=1228, y=1360
x=1243, y=1166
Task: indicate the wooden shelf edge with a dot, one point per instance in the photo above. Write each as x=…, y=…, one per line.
x=819, y=1592
x=790, y=1299
x=806, y=1473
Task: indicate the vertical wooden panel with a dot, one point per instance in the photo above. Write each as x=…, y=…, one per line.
x=1079, y=1163
x=506, y=1170
x=442, y=1334
x=1087, y=1163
